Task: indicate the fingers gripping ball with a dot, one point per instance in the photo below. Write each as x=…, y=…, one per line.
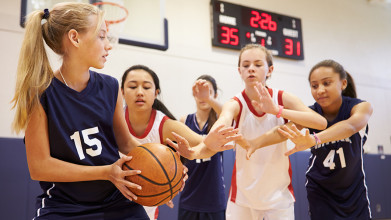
x=161, y=173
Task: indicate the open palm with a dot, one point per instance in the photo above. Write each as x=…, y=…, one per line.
x=264, y=103
x=301, y=141
x=201, y=90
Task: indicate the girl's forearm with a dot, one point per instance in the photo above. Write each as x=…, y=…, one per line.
x=54, y=170
x=305, y=118
x=268, y=138
x=217, y=107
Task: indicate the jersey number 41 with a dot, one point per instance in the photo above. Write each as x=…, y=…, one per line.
x=329, y=161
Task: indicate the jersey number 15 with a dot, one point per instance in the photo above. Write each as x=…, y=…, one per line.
x=89, y=141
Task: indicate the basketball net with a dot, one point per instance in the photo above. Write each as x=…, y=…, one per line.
x=115, y=15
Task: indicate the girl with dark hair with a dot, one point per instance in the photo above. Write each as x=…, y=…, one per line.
x=149, y=121
x=336, y=187
x=157, y=104
x=204, y=196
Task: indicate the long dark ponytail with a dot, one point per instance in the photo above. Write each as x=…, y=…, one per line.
x=212, y=118
x=350, y=89
x=157, y=104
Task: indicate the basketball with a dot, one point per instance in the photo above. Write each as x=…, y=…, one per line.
x=161, y=173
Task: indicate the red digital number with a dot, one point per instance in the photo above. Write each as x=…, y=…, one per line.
x=229, y=36
x=298, y=52
x=254, y=20
x=225, y=35
x=263, y=21
x=289, y=47
x=263, y=41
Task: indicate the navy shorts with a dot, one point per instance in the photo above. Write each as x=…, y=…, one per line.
x=322, y=209
x=119, y=210
x=184, y=214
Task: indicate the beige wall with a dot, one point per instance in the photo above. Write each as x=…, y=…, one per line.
x=354, y=32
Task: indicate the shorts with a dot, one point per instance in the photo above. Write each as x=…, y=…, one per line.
x=184, y=214
x=235, y=211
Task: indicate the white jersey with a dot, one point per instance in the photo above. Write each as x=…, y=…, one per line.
x=153, y=134
x=264, y=181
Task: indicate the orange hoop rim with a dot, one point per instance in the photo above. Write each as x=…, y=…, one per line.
x=108, y=22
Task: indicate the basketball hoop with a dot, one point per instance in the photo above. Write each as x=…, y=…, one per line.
x=114, y=15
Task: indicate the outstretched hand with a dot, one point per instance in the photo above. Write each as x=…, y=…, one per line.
x=250, y=148
x=218, y=138
x=215, y=141
x=301, y=141
x=264, y=103
x=117, y=177
x=182, y=146
x=201, y=90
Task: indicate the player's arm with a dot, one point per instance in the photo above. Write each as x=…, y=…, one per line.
x=358, y=119
x=201, y=91
x=215, y=141
x=273, y=136
x=215, y=104
x=123, y=137
x=229, y=112
x=173, y=129
x=182, y=130
x=299, y=113
x=44, y=167
x=294, y=109
x=183, y=119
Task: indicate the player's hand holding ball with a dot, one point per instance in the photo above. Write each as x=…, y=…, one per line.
x=117, y=177
x=162, y=174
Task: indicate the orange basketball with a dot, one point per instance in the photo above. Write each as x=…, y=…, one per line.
x=161, y=173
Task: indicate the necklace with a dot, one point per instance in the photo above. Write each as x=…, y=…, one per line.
x=63, y=77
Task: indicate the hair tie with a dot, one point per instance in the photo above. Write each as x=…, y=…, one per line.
x=45, y=14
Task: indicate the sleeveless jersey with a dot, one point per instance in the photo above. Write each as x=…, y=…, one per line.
x=336, y=173
x=153, y=134
x=264, y=181
x=80, y=126
x=204, y=190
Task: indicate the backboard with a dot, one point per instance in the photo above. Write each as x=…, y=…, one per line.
x=145, y=26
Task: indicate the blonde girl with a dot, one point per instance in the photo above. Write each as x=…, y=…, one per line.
x=73, y=118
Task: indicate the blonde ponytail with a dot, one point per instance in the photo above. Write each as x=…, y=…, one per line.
x=34, y=73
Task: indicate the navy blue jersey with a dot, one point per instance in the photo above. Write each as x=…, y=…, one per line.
x=336, y=187
x=204, y=190
x=80, y=126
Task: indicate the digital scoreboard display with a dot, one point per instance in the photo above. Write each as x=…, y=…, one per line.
x=235, y=26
